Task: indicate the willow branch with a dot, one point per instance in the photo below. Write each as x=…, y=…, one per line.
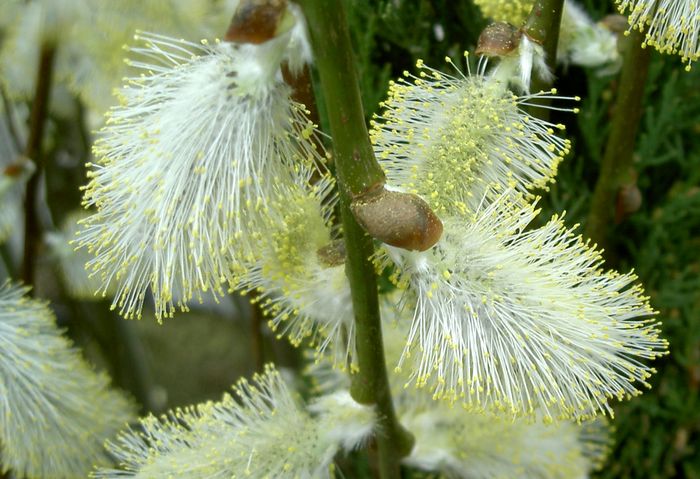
x=616, y=165
x=543, y=26
x=357, y=172
x=37, y=123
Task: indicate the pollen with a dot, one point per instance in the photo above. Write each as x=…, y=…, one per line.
x=671, y=26
x=451, y=139
x=527, y=317
x=186, y=170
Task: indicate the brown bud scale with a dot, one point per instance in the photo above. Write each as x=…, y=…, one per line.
x=628, y=201
x=13, y=170
x=398, y=219
x=333, y=254
x=615, y=23
x=498, y=39
x=256, y=21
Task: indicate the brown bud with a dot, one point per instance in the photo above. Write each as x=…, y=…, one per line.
x=628, y=201
x=20, y=167
x=333, y=254
x=615, y=23
x=498, y=39
x=398, y=219
x=256, y=21
x=13, y=170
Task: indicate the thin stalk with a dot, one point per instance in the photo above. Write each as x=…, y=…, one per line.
x=616, y=165
x=257, y=323
x=7, y=261
x=85, y=140
x=37, y=122
x=357, y=172
x=543, y=26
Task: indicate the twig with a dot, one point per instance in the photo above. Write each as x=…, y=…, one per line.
x=257, y=323
x=7, y=261
x=543, y=26
x=616, y=165
x=357, y=172
x=37, y=122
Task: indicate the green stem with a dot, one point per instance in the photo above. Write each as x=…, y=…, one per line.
x=543, y=26
x=37, y=122
x=7, y=261
x=357, y=172
x=257, y=340
x=616, y=165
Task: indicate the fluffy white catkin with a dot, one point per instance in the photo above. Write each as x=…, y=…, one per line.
x=451, y=139
x=524, y=320
x=185, y=166
x=263, y=433
x=55, y=410
x=671, y=26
